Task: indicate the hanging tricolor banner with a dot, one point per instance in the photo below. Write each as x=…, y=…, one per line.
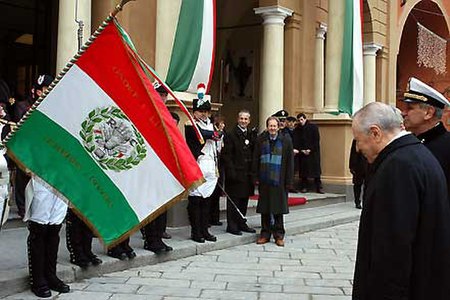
x=104, y=140
x=192, y=55
x=351, y=84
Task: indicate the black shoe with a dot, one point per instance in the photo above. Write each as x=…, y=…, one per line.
x=165, y=235
x=320, y=191
x=130, y=254
x=81, y=262
x=42, y=291
x=117, y=254
x=59, y=286
x=235, y=232
x=198, y=239
x=293, y=191
x=303, y=190
x=210, y=237
x=157, y=250
x=358, y=206
x=248, y=229
x=218, y=223
x=168, y=248
x=95, y=260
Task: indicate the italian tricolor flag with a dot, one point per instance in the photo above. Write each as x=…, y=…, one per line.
x=104, y=140
x=191, y=59
x=351, y=84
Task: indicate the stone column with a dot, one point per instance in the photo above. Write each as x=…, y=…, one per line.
x=165, y=30
x=319, y=74
x=67, y=30
x=272, y=60
x=292, y=63
x=336, y=16
x=370, y=66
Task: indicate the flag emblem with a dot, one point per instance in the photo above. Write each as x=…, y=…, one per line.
x=112, y=140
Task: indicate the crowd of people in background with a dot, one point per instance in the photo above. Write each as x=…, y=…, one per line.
x=236, y=160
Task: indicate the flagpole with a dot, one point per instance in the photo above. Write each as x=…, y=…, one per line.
x=118, y=8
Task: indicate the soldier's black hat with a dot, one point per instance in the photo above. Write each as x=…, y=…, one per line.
x=419, y=92
x=201, y=104
x=159, y=88
x=43, y=80
x=291, y=119
x=281, y=114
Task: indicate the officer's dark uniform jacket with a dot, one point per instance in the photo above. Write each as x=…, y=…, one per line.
x=437, y=140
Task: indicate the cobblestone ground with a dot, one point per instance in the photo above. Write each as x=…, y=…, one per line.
x=315, y=266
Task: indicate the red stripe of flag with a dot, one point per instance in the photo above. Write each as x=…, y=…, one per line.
x=113, y=69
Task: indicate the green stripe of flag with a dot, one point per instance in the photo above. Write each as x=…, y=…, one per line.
x=186, y=46
x=346, y=83
x=78, y=177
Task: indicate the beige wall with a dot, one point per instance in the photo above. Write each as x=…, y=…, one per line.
x=139, y=20
x=239, y=34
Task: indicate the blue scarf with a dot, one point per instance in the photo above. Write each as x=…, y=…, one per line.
x=270, y=162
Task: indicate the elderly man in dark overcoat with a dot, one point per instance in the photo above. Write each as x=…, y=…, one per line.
x=307, y=145
x=404, y=232
x=237, y=155
x=274, y=167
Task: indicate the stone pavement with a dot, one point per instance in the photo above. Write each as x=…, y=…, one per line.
x=316, y=265
x=13, y=272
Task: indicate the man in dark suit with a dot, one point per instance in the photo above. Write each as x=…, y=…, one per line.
x=422, y=115
x=237, y=157
x=404, y=232
x=358, y=168
x=307, y=143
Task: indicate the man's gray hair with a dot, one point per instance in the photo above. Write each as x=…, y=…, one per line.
x=244, y=111
x=387, y=117
x=438, y=112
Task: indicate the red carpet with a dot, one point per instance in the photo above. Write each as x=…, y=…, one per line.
x=292, y=201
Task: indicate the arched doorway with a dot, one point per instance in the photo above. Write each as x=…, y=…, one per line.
x=236, y=73
x=426, y=20
x=28, y=31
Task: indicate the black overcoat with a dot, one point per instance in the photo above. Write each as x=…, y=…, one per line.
x=273, y=199
x=237, y=157
x=404, y=234
x=308, y=137
x=437, y=140
x=357, y=165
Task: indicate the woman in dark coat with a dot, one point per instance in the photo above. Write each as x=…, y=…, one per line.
x=274, y=166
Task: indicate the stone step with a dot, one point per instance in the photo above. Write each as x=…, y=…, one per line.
x=13, y=261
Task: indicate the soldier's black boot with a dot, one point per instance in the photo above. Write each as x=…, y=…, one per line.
x=52, y=241
x=37, y=259
x=195, y=218
x=87, y=247
x=204, y=208
x=74, y=240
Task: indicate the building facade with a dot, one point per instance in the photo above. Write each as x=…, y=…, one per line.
x=270, y=54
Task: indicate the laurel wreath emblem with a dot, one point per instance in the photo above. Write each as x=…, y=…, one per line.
x=112, y=140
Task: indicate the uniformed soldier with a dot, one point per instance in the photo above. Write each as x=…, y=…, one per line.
x=207, y=157
x=422, y=115
x=45, y=212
